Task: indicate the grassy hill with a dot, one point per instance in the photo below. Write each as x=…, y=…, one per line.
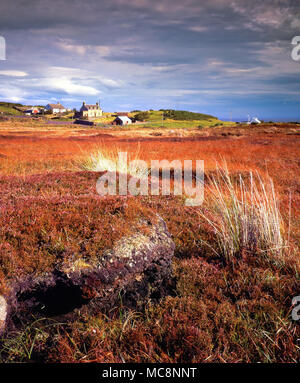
x=185, y=115
x=106, y=119
x=8, y=108
x=177, y=119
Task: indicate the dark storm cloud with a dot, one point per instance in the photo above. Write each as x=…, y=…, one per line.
x=200, y=55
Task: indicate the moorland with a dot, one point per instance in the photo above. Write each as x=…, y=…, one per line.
x=232, y=299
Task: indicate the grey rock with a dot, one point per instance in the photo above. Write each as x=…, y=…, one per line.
x=3, y=312
x=136, y=269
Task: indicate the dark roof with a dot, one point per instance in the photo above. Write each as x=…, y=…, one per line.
x=57, y=106
x=91, y=107
x=123, y=118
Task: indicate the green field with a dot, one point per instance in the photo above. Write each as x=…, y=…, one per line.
x=8, y=108
x=157, y=119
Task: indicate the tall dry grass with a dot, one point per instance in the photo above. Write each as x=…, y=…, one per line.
x=111, y=159
x=245, y=214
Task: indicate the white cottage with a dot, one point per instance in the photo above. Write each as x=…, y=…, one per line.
x=55, y=108
x=122, y=120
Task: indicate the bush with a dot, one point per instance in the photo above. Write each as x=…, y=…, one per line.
x=142, y=116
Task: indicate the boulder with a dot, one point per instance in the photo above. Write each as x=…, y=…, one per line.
x=137, y=268
x=3, y=312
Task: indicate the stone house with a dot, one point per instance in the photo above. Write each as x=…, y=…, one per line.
x=91, y=111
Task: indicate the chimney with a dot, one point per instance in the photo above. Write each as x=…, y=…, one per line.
x=83, y=103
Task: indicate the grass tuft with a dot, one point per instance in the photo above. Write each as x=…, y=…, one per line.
x=107, y=159
x=246, y=215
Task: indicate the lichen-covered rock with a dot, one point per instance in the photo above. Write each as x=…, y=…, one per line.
x=135, y=269
x=3, y=312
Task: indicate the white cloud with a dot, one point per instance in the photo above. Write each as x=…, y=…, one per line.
x=12, y=93
x=72, y=48
x=13, y=73
x=239, y=70
x=198, y=28
x=102, y=50
x=263, y=13
x=53, y=71
x=110, y=83
x=83, y=50
x=67, y=85
x=81, y=74
x=216, y=63
x=168, y=68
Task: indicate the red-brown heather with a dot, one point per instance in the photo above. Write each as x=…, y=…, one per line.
x=223, y=310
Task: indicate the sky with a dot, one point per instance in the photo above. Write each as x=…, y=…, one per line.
x=221, y=57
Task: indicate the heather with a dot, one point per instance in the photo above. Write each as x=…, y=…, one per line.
x=229, y=304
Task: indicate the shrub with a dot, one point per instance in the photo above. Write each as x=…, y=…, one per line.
x=142, y=116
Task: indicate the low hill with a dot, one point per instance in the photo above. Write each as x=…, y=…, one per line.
x=179, y=115
x=185, y=115
x=10, y=108
x=170, y=118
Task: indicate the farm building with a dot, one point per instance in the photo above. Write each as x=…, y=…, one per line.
x=122, y=120
x=55, y=108
x=91, y=111
x=31, y=111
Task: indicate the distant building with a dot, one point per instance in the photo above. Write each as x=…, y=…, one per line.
x=55, y=108
x=122, y=120
x=30, y=111
x=91, y=111
x=254, y=120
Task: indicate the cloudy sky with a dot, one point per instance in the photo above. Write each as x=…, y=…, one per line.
x=217, y=56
